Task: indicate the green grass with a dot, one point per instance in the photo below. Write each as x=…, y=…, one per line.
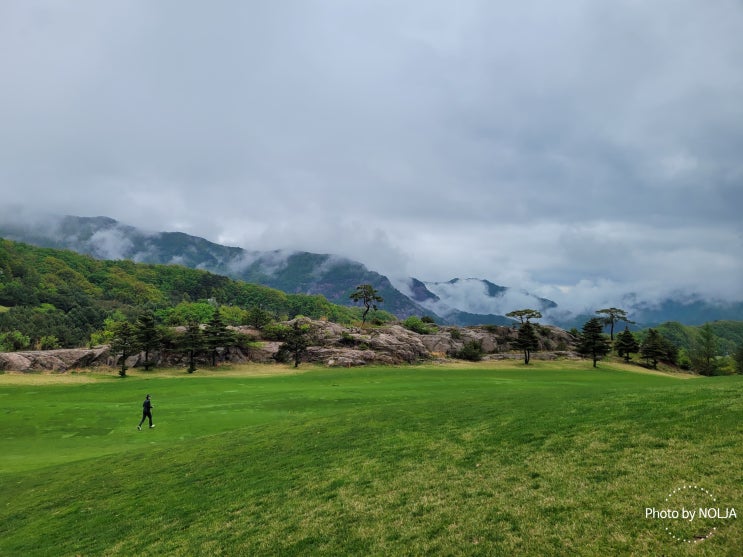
x=556, y=459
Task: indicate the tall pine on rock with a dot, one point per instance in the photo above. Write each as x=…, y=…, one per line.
x=527, y=340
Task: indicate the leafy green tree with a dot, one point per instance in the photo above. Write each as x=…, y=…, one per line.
x=216, y=336
x=366, y=294
x=704, y=352
x=124, y=343
x=653, y=348
x=233, y=315
x=296, y=341
x=191, y=342
x=592, y=340
x=612, y=316
x=523, y=315
x=148, y=336
x=48, y=342
x=186, y=312
x=683, y=360
x=626, y=344
x=259, y=318
x=13, y=341
x=527, y=340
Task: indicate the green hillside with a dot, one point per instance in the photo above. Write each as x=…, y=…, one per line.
x=728, y=335
x=51, y=293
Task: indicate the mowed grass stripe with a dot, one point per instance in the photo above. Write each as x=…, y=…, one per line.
x=553, y=460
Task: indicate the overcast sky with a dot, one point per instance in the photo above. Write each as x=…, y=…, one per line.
x=577, y=149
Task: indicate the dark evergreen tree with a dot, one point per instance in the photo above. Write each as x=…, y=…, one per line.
x=592, y=340
x=527, y=340
x=216, y=336
x=296, y=342
x=704, y=352
x=192, y=342
x=148, y=336
x=626, y=344
x=653, y=348
x=124, y=342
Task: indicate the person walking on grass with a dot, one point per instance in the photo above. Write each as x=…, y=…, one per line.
x=146, y=412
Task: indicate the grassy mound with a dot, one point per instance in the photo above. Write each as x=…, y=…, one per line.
x=557, y=459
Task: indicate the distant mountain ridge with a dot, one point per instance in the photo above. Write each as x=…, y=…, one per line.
x=292, y=272
x=467, y=301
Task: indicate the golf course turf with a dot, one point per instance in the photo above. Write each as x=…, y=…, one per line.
x=554, y=458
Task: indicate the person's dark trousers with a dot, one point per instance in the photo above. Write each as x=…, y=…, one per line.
x=146, y=415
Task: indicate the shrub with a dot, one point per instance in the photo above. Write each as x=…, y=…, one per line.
x=472, y=351
x=347, y=340
x=684, y=361
x=275, y=331
x=456, y=334
x=48, y=342
x=417, y=325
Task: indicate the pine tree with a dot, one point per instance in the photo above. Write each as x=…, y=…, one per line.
x=704, y=352
x=524, y=315
x=192, y=342
x=216, y=335
x=366, y=294
x=653, y=348
x=612, y=315
x=626, y=344
x=296, y=342
x=527, y=340
x=592, y=340
x=148, y=336
x=124, y=342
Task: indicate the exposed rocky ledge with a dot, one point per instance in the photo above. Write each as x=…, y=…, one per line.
x=333, y=345
x=55, y=360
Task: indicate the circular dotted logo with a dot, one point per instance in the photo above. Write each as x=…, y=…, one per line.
x=691, y=514
x=692, y=499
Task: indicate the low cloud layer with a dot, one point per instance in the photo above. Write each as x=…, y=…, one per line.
x=578, y=150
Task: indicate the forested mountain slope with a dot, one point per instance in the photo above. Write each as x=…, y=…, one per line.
x=47, y=292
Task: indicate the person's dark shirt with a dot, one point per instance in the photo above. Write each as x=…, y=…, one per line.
x=147, y=405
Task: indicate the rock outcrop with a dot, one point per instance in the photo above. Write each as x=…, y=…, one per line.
x=331, y=344
x=55, y=360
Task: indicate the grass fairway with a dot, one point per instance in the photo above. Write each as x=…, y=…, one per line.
x=553, y=459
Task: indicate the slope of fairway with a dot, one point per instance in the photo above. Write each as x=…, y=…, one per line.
x=554, y=459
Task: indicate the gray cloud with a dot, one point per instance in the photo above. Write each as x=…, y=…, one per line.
x=577, y=148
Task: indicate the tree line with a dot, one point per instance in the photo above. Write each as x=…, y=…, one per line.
x=53, y=298
x=702, y=356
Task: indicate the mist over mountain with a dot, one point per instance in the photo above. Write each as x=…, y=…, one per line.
x=471, y=301
x=460, y=301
